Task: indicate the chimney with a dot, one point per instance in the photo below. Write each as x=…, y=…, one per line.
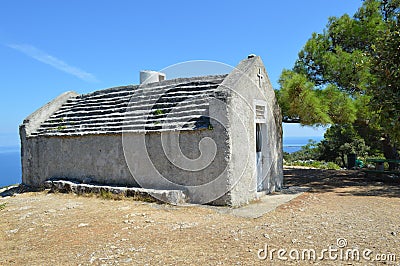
x=149, y=76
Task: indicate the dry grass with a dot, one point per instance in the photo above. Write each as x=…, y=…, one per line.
x=65, y=229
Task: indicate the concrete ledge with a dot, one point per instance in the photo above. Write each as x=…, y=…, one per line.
x=265, y=203
x=174, y=197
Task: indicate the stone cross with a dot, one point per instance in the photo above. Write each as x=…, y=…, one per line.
x=260, y=76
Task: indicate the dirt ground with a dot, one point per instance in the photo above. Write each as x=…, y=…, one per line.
x=343, y=211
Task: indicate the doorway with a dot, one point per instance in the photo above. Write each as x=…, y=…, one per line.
x=259, y=157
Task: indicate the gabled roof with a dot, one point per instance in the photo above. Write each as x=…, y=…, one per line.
x=167, y=105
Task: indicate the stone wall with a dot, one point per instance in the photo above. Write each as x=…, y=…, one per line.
x=96, y=157
x=101, y=159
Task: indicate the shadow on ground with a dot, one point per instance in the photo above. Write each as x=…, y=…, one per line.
x=343, y=182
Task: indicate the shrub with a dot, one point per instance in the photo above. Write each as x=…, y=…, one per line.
x=315, y=164
x=3, y=205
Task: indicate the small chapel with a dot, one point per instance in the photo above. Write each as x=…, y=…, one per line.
x=217, y=139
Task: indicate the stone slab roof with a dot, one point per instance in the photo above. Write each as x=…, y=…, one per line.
x=167, y=105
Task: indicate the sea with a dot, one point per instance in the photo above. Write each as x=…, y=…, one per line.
x=293, y=144
x=10, y=165
x=10, y=158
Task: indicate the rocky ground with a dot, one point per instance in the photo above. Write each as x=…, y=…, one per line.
x=65, y=229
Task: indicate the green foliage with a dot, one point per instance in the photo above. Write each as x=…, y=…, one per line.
x=339, y=141
x=158, y=112
x=108, y=195
x=340, y=55
x=386, y=88
x=310, y=156
x=310, y=151
x=363, y=111
x=349, y=75
x=3, y=206
x=331, y=165
x=299, y=99
x=340, y=107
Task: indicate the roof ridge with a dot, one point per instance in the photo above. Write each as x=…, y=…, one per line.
x=152, y=84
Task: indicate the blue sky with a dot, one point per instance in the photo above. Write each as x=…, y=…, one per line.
x=49, y=47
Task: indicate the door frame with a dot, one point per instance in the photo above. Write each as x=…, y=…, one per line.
x=260, y=112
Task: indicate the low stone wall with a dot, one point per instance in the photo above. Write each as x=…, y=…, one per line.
x=174, y=197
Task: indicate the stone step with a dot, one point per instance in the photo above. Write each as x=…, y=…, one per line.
x=137, y=108
x=172, y=123
x=135, y=100
x=121, y=127
x=175, y=120
x=131, y=110
x=175, y=197
x=151, y=89
x=145, y=117
x=141, y=95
